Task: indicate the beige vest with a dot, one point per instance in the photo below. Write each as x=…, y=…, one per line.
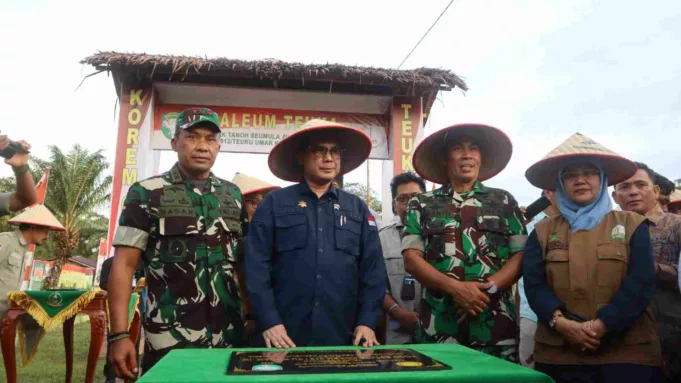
x=585, y=269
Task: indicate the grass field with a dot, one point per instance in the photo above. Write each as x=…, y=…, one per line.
x=49, y=365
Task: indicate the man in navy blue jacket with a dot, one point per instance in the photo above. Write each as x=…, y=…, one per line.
x=314, y=267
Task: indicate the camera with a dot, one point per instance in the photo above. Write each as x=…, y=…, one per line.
x=12, y=148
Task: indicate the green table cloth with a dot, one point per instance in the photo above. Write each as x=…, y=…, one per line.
x=210, y=365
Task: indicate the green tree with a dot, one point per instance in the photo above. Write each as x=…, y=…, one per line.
x=7, y=185
x=678, y=184
x=360, y=190
x=78, y=187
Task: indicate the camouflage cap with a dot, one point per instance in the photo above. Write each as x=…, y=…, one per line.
x=192, y=116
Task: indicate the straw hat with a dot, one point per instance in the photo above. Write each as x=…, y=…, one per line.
x=283, y=159
x=249, y=185
x=675, y=198
x=495, y=149
x=38, y=215
x=579, y=148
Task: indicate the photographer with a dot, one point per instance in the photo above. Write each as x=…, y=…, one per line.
x=16, y=154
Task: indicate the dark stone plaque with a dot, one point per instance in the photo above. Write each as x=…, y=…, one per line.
x=331, y=361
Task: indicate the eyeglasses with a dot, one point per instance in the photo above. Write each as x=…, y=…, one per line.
x=570, y=176
x=320, y=151
x=404, y=198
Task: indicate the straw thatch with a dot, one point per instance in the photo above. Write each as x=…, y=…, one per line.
x=183, y=68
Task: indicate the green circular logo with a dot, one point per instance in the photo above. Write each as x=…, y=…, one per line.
x=267, y=367
x=168, y=124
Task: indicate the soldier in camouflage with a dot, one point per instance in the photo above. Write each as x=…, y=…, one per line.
x=187, y=227
x=464, y=242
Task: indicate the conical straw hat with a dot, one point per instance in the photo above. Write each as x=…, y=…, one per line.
x=579, y=148
x=38, y=215
x=495, y=149
x=283, y=159
x=249, y=184
x=675, y=198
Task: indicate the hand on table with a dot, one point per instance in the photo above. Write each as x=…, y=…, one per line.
x=123, y=359
x=366, y=334
x=276, y=336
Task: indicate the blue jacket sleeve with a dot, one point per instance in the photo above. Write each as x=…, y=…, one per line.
x=372, y=274
x=259, y=252
x=638, y=288
x=539, y=295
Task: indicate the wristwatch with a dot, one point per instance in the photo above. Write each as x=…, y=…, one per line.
x=552, y=322
x=493, y=289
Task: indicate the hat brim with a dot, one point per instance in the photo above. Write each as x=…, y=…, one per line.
x=18, y=222
x=263, y=191
x=204, y=123
x=544, y=174
x=283, y=159
x=495, y=149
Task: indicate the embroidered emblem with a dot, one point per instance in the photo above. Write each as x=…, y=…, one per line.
x=618, y=232
x=55, y=300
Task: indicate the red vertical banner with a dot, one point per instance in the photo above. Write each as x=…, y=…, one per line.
x=134, y=105
x=407, y=122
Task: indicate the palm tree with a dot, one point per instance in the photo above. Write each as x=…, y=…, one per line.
x=77, y=188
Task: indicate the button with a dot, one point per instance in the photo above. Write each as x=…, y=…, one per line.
x=316, y=304
x=321, y=250
x=319, y=276
x=320, y=229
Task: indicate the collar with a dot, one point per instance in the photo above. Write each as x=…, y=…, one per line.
x=21, y=238
x=478, y=188
x=304, y=188
x=398, y=222
x=175, y=176
x=655, y=215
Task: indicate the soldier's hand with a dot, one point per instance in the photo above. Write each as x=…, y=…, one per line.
x=471, y=296
x=19, y=158
x=4, y=141
x=123, y=359
x=276, y=336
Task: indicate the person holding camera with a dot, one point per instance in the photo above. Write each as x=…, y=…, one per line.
x=16, y=155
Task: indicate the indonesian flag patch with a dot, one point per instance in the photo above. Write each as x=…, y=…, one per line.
x=372, y=221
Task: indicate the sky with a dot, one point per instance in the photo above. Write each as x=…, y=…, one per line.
x=538, y=70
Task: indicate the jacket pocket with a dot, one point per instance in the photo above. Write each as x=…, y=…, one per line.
x=348, y=232
x=291, y=233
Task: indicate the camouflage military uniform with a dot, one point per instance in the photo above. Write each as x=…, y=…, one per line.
x=190, y=241
x=469, y=237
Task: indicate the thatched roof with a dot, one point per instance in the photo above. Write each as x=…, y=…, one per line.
x=276, y=73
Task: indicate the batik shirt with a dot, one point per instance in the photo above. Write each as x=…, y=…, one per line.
x=191, y=240
x=469, y=237
x=665, y=239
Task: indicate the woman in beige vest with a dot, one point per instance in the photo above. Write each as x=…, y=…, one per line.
x=589, y=273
